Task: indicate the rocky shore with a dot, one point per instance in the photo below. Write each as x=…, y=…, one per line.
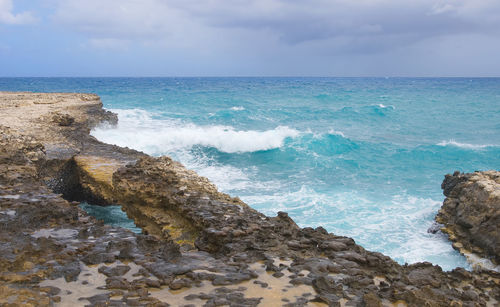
x=471, y=213
x=199, y=247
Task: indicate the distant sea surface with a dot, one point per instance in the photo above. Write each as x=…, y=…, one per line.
x=362, y=157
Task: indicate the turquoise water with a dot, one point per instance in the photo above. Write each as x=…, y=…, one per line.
x=362, y=157
x=112, y=215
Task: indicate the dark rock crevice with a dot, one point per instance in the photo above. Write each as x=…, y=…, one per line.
x=61, y=176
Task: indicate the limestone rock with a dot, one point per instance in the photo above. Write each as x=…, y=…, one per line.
x=62, y=119
x=471, y=212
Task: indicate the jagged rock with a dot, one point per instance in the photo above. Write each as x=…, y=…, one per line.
x=62, y=119
x=471, y=212
x=114, y=271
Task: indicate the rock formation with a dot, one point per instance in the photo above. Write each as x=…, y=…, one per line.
x=198, y=247
x=471, y=212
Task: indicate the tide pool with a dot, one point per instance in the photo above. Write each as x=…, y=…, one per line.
x=112, y=215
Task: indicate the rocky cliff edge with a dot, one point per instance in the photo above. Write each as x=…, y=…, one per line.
x=471, y=213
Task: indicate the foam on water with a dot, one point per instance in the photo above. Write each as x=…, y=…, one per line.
x=154, y=136
x=385, y=107
x=226, y=177
x=465, y=145
x=335, y=132
x=403, y=236
x=237, y=108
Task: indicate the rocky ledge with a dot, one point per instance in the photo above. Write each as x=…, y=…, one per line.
x=471, y=213
x=199, y=247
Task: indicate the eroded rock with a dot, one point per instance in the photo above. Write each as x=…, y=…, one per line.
x=471, y=212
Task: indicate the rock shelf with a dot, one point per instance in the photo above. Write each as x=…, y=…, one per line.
x=199, y=247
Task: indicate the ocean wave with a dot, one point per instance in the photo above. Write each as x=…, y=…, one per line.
x=386, y=107
x=379, y=109
x=226, y=177
x=238, y=108
x=337, y=132
x=366, y=111
x=465, y=145
x=138, y=129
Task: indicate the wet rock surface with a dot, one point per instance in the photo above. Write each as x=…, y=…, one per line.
x=471, y=212
x=199, y=247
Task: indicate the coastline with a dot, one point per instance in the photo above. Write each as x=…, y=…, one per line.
x=196, y=235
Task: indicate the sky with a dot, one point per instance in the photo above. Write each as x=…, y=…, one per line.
x=384, y=38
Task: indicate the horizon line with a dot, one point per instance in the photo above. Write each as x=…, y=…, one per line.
x=254, y=76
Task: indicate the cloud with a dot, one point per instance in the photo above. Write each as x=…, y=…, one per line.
x=299, y=21
x=119, y=19
x=8, y=17
x=290, y=36
x=292, y=21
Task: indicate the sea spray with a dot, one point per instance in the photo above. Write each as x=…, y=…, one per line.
x=154, y=136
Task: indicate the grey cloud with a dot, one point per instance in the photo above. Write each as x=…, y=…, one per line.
x=296, y=22
x=359, y=23
x=118, y=19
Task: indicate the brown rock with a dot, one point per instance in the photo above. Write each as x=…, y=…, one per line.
x=62, y=119
x=372, y=300
x=471, y=212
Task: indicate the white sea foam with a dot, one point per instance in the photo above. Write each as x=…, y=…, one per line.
x=465, y=145
x=238, y=108
x=302, y=200
x=410, y=218
x=336, y=132
x=225, y=177
x=138, y=129
x=386, y=107
x=479, y=262
x=397, y=227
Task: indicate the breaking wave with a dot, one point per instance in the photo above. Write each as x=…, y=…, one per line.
x=139, y=130
x=465, y=145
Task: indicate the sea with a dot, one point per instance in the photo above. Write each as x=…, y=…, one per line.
x=361, y=157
